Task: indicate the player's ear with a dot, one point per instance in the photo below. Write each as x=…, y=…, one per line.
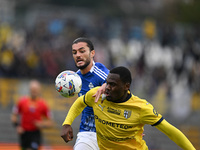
x=127, y=86
x=92, y=53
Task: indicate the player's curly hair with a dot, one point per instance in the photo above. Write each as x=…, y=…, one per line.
x=123, y=72
x=86, y=40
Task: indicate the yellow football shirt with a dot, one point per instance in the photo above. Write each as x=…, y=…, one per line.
x=120, y=125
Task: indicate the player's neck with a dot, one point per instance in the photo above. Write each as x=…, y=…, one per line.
x=87, y=69
x=124, y=98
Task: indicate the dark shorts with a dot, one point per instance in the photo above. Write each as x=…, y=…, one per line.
x=30, y=139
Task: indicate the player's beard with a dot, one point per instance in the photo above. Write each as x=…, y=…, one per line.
x=87, y=62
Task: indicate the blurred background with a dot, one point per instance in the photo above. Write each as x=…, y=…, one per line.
x=158, y=40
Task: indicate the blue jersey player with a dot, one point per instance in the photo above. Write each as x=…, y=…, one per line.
x=92, y=74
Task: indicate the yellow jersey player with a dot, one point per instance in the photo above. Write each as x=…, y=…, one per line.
x=120, y=119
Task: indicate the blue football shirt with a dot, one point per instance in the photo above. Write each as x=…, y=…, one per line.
x=95, y=77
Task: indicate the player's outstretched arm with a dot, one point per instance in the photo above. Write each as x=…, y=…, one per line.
x=74, y=111
x=100, y=92
x=175, y=135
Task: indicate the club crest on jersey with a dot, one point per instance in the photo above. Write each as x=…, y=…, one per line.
x=127, y=113
x=91, y=86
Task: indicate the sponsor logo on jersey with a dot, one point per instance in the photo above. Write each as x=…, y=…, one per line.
x=113, y=111
x=114, y=138
x=155, y=112
x=127, y=113
x=101, y=107
x=112, y=124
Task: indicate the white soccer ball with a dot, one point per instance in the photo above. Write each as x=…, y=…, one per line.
x=68, y=83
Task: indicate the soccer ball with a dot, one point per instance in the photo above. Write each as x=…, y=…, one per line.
x=68, y=83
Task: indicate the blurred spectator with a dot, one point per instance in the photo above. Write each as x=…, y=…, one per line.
x=181, y=96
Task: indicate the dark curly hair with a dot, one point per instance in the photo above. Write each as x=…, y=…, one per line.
x=123, y=72
x=86, y=40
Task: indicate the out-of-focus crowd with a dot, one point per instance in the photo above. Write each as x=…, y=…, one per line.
x=164, y=59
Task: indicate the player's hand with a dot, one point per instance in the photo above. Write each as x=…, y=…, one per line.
x=100, y=92
x=67, y=133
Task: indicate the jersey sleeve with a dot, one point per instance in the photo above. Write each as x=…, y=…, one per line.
x=88, y=98
x=75, y=110
x=102, y=72
x=149, y=115
x=175, y=135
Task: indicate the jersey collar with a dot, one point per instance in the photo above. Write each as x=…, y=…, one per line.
x=91, y=70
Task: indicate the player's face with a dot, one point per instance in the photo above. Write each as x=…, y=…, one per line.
x=115, y=89
x=82, y=55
